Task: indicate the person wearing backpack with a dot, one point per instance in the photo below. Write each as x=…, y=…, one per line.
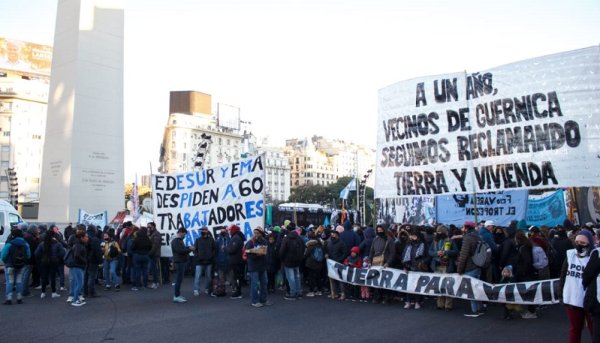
x=523, y=269
x=465, y=264
x=541, y=253
x=80, y=262
x=291, y=254
x=48, y=254
x=15, y=254
x=314, y=261
x=111, y=254
x=443, y=252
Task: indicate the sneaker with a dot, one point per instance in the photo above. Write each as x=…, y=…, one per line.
x=117, y=288
x=196, y=293
x=42, y=296
x=310, y=294
x=78, y=303
x=154, y=286
x=407, y=305
x=212, y=294
x=267, y=303
x=258, y=305
x=135, y=289
x=472, y=314
x=38, y=287
x=179, y=299
x=289, y=298
x=317, y=294
x=55, y=295
x=236, y=296
x=70, y=299
x=206, y=291
x=529, y=315
x=417, y=306
x=81, y=298
x=62, y=289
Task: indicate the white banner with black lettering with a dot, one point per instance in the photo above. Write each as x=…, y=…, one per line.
x=451, y=285
x=528, y=124
x=227, y=194
x=97, y=219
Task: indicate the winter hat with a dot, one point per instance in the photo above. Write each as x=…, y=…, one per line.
x=489, y=223
x=276, y=229
x=442, y=229
x=260, y=229
x=534, y=229
x=355, y=250
x=339, y=229
x=588, y=236
x=233, y=229
x=286, y=222
x=291, y=226
x=470, y=224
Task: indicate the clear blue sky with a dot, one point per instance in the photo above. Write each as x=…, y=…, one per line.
x=297, y=68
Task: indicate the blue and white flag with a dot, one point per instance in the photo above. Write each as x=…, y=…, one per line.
x=351, y=187
x=549, y=210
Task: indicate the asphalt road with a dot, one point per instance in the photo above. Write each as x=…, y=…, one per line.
x=151, y=316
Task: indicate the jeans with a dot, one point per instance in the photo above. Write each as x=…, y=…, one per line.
x=293, y=277
x=140, y=266
x=60, y=271
x=207, y=270
x=110, y=273
x=475, y=273
x=155, y=269
x=237, y=272
x=76, y=277
x=14, y=277
x=179, y=270
x=26, y=277
x=91, y=273
x=258, y=286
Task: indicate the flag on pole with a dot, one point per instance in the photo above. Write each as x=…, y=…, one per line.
x=351, y=187
x=135, y=201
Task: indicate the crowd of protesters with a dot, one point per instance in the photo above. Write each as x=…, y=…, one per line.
x=292, y=260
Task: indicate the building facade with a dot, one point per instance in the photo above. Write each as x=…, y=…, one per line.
x=277, y=171
x=190, y=121
x=24, y=88
x=319, y=161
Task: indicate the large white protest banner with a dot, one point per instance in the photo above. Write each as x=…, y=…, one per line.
x=529, y=124
x=227, y=194
x=451, y=285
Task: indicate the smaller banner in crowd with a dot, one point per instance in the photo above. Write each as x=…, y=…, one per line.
x=501, y=207
x=408, y=210
x=451, y=285
x=97, y=219
x=549, y=210
x=217, y=197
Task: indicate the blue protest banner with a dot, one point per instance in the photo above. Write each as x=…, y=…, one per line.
x=501, y=207
x=549, y=210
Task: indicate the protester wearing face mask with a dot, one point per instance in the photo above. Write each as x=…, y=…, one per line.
x=383, y=252
x=443, y=252
x=205, y=251
x=571, y=287
x=414, y=258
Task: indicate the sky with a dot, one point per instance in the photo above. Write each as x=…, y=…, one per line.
x=303, y=68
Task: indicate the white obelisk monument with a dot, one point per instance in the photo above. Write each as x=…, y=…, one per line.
x=83, y=150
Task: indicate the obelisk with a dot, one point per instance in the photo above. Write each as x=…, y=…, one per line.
x=82, y=165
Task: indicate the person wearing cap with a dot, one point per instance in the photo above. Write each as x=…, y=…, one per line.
x=205, y=251
x=257, y=267
x=571, y=286
x=236, y=261
x=465, y=265
x=180, y=258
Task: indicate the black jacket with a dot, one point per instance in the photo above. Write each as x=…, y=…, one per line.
x=141, y=244
x=80, y=255
x=234, y=249
x=310, y=262
x=94, y=251
x=291, y=251
x=560, y=244
x=590, y=276
x=523, y=269
x=180, y=251
x=205, y=250
x=256, y=263
x=336, y=250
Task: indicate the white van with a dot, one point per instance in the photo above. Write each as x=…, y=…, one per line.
x=8, y=217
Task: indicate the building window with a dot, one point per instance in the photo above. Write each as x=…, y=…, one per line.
x=6, y=133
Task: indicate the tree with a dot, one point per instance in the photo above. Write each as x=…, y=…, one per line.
x=310, y=194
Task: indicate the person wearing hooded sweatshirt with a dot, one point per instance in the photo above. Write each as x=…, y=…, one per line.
x=523, y=268
x=571, y=285
x=336, y=251
x=313, y=266
x=561, y=244
x=465, y=265
x=13, y=270
x=205, y=251
x=222, y=263
x=508, y=254
x=48, y=254
x=349, y=237
x=443, y=252
x=415, y=257
x=140, y=247
x=291, y=254
x=236, y=262
x=365, y=245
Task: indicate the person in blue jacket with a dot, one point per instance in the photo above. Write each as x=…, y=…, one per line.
x=14, y=265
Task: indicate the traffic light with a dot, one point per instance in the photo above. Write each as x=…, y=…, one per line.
x=13, y=186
